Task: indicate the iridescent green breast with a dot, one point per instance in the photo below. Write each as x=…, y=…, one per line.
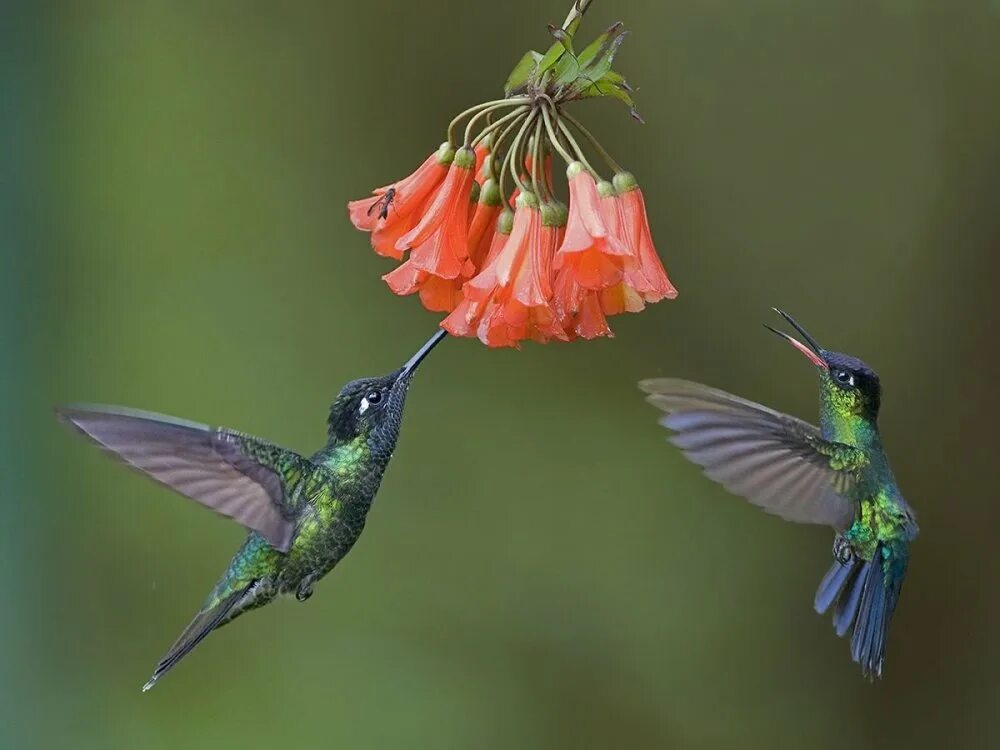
x=334, y=500
x=881, y=520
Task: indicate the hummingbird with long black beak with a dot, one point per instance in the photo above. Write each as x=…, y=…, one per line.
x=837, y=475
x=303, y=514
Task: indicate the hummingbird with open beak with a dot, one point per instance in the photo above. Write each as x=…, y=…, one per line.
x=303, y=514
x=837, y=475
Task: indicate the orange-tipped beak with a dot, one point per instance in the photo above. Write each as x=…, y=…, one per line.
x=811, y=350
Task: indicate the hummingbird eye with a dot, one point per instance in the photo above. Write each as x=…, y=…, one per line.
x=373, y=397
x=844, y=377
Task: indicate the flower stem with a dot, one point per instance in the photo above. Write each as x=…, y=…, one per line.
x=493, y=126
x=575, y=16
x=497, y=103
x=513, y=160
x=556, y=143
x=593, y=142
x=576, y=148
x=497, y=164
x=541, y=189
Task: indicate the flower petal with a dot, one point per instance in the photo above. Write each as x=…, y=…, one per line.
x=649, y=277
x=438, y=244
x=402, y=207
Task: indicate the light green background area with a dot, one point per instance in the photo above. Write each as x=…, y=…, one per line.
x=540, y=570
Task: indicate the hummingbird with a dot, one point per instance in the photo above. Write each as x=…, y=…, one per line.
x=303, y=514
x=836, y=475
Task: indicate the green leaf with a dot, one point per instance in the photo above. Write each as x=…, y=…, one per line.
x=562, y=37
x=553, y=54
x=610, y=85
x=524, y=70
x=614, y=78
x=597, y=47
x=566, y=70
x=605, y=56
x=571, y=67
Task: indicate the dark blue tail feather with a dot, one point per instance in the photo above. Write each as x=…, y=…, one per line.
x=847, y=606
x=866, y=600
x=831, y=585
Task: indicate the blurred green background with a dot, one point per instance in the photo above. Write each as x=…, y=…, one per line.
x=540, y=569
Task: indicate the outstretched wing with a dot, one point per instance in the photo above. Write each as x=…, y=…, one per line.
x=237, y=475
x=776, y=461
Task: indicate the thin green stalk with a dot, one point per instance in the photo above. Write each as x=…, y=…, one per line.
x=493, y=126
x=593, y=142
x=575, y=16
x=540, y=187
x=552, y=136
x=512, y=102
x=576, y=148
x=495, y=163
x=514, y=160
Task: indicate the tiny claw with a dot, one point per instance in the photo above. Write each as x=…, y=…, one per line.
x=305, y=589
x=843, y=551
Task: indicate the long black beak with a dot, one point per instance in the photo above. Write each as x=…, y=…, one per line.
x=411, y=365
x=811, y=350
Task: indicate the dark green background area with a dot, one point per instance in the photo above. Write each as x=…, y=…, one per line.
x=540, y=569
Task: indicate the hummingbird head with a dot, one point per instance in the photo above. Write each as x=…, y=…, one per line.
x=372, y=408
x=848, y=387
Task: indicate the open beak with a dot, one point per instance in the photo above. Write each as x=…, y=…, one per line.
x=411, y=365
x=811, y=350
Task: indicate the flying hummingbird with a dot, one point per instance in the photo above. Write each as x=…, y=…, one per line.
x=303, y=514
x=836, y=475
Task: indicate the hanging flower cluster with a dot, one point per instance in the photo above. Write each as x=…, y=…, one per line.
x=481, y=233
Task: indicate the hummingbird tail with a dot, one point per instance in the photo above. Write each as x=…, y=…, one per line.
x=866, y=592
x=204, y=623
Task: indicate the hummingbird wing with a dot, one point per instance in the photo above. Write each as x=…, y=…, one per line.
x=237, y=475
x=774, y=460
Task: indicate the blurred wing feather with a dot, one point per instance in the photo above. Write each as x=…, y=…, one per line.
x=767, y=457
x=207, y=464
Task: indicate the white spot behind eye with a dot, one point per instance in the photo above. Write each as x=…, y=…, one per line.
x=364, y=406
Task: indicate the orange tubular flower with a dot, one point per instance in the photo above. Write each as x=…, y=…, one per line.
x=478, y=229
x=580, y=310
x=389, y=215
x=438, y=244
x=594, y=256
x=436, y=294
x=483, y=150
x=648, y=277
x=482, y=225
x=622, y=297
x=465, y=318
x=509, y=300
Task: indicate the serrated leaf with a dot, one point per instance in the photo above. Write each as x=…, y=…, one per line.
x=522, y=72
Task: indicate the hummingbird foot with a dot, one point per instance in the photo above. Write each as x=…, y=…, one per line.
x=842, y=550
x=305, y=589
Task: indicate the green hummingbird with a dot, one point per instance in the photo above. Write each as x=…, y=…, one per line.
x=836, y=475
x=303, y=514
